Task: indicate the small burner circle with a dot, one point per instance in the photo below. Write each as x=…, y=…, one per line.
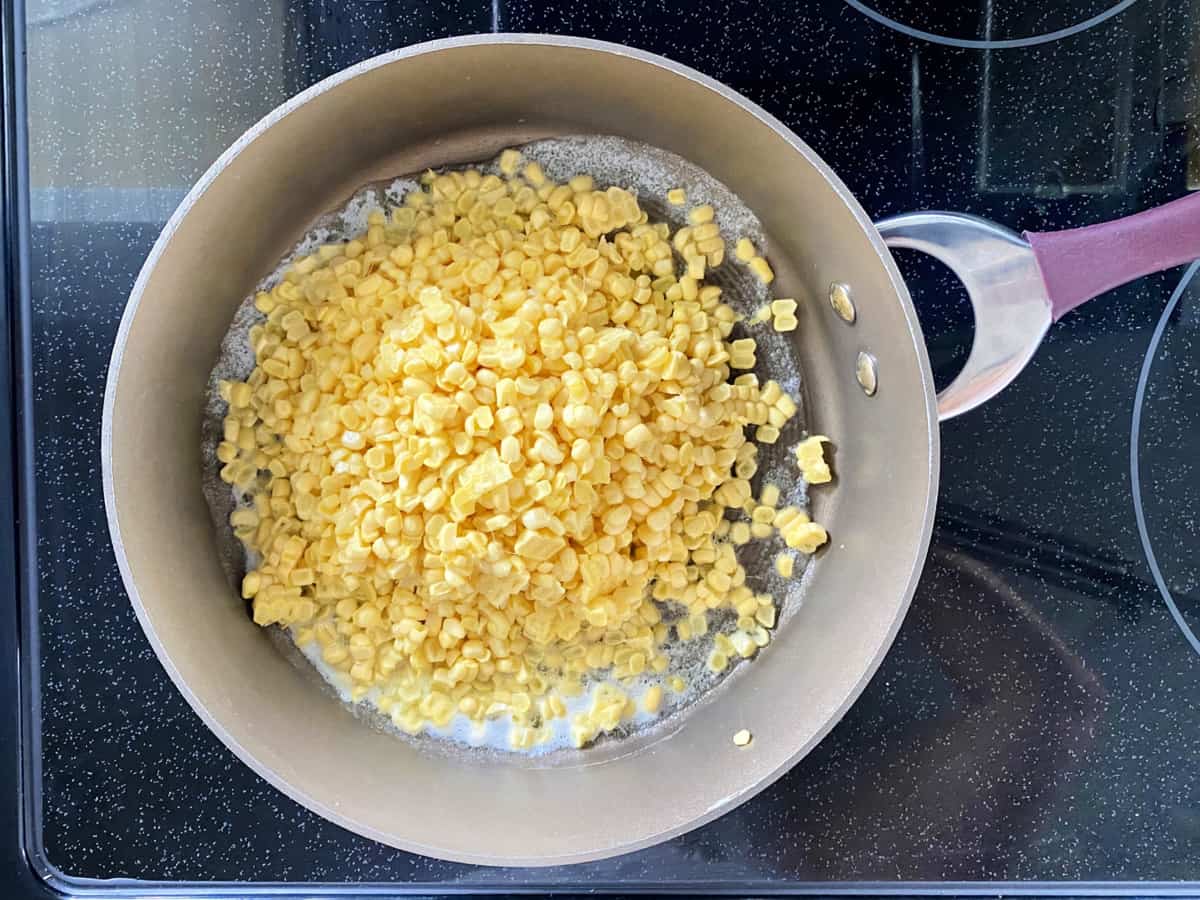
x=1135, y=466
x=998, y=44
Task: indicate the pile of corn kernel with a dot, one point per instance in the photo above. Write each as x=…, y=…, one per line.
x=487, y=440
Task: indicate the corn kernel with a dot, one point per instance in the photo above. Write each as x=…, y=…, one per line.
x=652, y=699
x=788, y=515
x=805, y=536
x=785, y=323
x=534, y=175
x=240, y=395
x=762, y=269
x=784, y=565
x=767, y=434
x=250, y=584
x=810, y=457
x=510, y=161
x=743, y=644
x=739, y=533
x=676, y=197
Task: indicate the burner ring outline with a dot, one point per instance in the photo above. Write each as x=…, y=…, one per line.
x=1135, y=473
x=979, y=44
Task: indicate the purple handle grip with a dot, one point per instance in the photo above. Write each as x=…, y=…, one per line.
x=1081, y=263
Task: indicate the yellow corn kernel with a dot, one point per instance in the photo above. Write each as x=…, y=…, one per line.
x=744, y=345
x=742, y=738
x=240, y=394
x=700, y=215
x=510, y=161
x=784, y=565
x=581, y=184
x=652, y=699
x=766, y=434
x=744, y=251
x=762, y=269
x=676, y=197
x=534, y=175
x=783, y=307
x=739, y=533
x=244, y=518
x=743, y=644
x=769, y=495
x=785, y=323
x=788, y=515
x=810, y=457
x=764, y=514
x=784, y=312
x=804, y=536
x=251, y=583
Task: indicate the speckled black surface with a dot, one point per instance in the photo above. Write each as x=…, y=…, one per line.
x=1037, y=719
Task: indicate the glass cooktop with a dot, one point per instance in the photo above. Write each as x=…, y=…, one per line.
x=1037, y=722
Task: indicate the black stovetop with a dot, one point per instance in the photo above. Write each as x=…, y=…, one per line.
x=1038, y=719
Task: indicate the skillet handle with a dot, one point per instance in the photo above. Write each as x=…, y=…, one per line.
x=1000, y=272
x=1081, y=263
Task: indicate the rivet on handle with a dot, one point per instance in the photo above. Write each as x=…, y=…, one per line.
x=840, y=300
x=866, y=370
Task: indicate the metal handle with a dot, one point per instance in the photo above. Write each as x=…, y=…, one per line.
x=1000, y=272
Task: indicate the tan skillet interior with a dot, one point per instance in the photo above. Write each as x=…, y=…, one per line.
x=460, y=101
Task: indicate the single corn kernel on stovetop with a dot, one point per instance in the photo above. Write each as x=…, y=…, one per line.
x=487, y=440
